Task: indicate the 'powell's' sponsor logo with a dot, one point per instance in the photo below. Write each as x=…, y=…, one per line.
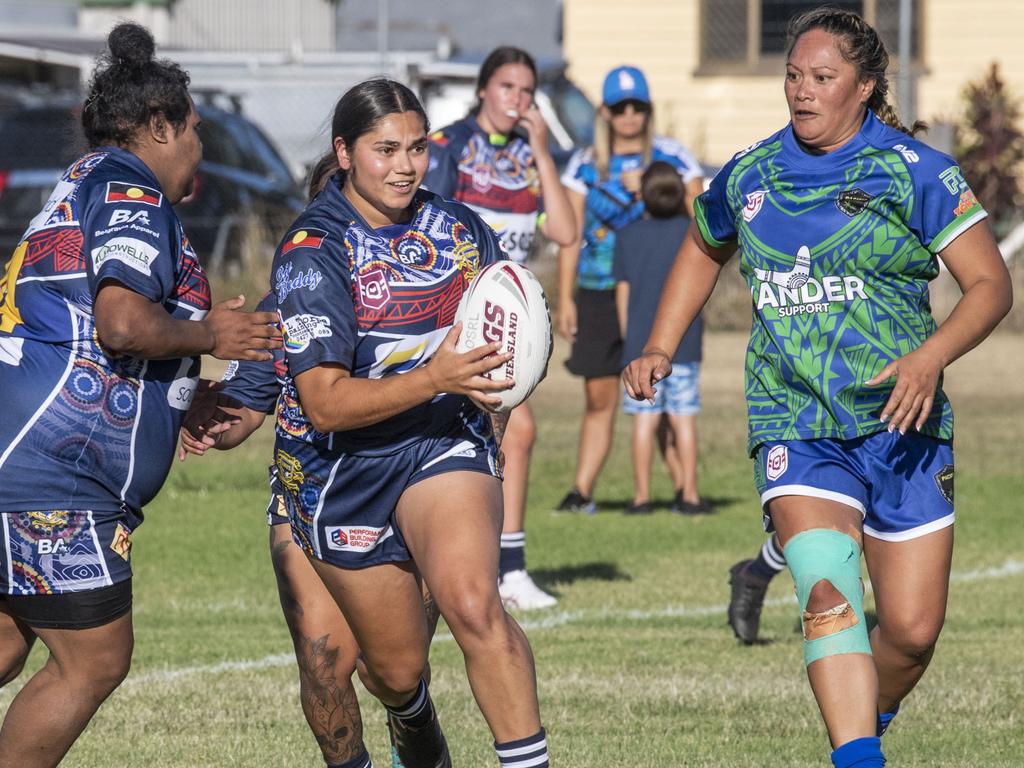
x=795, y=292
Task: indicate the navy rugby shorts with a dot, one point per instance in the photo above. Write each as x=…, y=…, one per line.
x=901, y=484
x=66, y=568
x=343, y=511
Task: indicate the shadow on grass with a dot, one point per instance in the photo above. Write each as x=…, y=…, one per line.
x=663, y=503
x=583, y=572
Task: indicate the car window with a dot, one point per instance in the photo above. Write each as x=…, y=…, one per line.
x=219, y=145
x=269, y=160
x=40, y=138
x=574, y=110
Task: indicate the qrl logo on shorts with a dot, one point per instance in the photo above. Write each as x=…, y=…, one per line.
x=777, y=462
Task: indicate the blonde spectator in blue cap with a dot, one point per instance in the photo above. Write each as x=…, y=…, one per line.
x=604, y=189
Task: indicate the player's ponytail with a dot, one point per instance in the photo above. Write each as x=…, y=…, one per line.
x=356, y=113
x=129, y=87
x=861, y=46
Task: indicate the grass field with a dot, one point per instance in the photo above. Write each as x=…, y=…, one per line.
x=636, y=664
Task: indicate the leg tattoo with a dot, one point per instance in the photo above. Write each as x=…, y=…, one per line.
x=332, y=710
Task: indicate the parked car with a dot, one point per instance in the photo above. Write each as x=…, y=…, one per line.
x=244, y=196
x=448, y=92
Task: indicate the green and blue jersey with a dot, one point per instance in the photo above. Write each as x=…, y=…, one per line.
x=837, y=250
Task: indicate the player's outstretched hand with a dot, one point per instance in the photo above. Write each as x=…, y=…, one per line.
x=205, y=422
x=462, y=373
x=239, y=335
x=917, y=380
x=643, y=373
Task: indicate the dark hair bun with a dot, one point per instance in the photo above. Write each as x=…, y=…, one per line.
x=131, y=45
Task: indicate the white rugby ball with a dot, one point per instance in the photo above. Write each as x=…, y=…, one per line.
x=506, y=303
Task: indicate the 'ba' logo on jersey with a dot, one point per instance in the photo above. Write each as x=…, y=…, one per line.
x=754, y=202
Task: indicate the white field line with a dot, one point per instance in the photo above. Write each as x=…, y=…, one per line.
x=1008, y=569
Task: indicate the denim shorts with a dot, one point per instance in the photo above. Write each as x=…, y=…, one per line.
x=678, y=395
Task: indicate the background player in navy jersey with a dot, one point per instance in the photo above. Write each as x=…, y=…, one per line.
x=224, y=415
x=386, y=428
x=604, y=188
x=841, y=218
x=486, y=162
x=104, y=310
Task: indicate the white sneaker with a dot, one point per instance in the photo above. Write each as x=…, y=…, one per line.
x=517, y=590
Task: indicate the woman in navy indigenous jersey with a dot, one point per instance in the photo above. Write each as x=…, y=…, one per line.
x=104, y=310
x=840, y=219
x=509, y=179
x=604, y=189
x=388, y=456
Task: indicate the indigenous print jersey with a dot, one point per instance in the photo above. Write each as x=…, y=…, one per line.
x=377, y=302
x=610, y=206
x=837, y=250
x=82, y=429
x=257, y=384
x=494, y=175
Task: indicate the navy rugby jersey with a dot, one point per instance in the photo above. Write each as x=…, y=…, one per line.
x=377, y=302
x=81, y=429
x=495, y=175
x=837, y=250
x=610, y=206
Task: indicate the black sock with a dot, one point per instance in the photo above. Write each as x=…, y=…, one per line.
x=417, y=711
x=513, y=553
x=362, y=760
x=768, y=563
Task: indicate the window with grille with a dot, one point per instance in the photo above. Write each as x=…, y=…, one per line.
x=749, y=36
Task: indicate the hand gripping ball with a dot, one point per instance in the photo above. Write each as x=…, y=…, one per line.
x=506, y=303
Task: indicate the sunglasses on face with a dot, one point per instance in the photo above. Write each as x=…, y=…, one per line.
x=640, y=107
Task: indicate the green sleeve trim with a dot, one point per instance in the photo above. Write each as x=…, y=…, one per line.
x=957, y=227
x=702, y=224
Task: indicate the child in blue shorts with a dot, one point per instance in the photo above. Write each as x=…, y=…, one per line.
x=644, y=253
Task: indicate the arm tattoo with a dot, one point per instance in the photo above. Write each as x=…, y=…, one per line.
x=498, y=423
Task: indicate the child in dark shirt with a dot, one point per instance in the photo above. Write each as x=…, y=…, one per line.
x=644, y=253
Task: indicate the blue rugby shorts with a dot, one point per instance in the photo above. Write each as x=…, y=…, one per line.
x=901, y=484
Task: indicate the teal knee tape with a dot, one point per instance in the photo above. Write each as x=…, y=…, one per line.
x=822, y=554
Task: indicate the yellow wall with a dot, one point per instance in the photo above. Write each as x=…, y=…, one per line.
x=717, y=116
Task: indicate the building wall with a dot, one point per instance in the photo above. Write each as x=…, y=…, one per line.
x=222, y=25
x=719, y=115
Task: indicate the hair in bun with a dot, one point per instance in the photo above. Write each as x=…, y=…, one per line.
x=129, y=87
x=131, y=45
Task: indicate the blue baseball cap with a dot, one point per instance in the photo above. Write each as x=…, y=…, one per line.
x=624, y=83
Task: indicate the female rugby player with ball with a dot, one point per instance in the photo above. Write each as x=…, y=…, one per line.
x=388, y=426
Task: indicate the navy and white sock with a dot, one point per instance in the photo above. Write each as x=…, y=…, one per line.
x=416, y=712
x=859, y=753
x=513, y=552
x=770, y=561
x=531, y=752
x=362, y=760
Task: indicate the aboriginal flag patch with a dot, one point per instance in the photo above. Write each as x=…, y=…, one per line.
x=120, y=192
x=307, y=237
